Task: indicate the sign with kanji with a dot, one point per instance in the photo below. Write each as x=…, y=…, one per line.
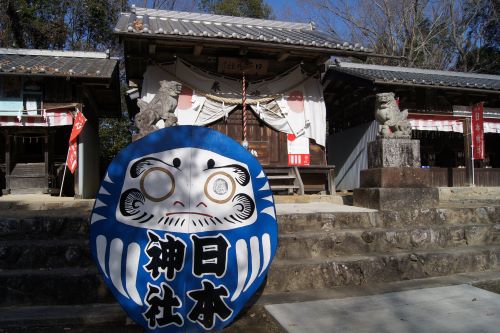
x=80, y=121
x=229, y=65
x=478, y=131
x=72, y=161
x=298, y=150
x=184, y=229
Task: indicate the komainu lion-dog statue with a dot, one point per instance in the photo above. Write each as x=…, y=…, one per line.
x=393, y=122
x=161, y=107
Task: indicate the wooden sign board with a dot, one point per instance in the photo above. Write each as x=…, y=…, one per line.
x=478, y=131
x=237, y=66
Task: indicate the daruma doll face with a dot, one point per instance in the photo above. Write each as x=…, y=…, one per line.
x=184, y=229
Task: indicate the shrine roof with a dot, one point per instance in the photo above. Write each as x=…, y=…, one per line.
x=238, y=30
x=418, y=77
x=57, y=63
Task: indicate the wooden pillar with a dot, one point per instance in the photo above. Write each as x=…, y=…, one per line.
x=46, y=157
x=331, y=181
x=468, y=152
x=7, y=161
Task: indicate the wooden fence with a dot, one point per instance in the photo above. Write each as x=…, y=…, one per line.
x=455, y=177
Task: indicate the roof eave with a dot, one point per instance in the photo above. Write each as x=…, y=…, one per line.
x=331, y=70
x=247, y=42
x=59, y=75
x=399, y=83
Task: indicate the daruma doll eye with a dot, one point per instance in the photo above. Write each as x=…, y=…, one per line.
x=220, y=187
x=157, y=184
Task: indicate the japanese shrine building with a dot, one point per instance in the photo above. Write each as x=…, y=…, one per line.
x=281, y=62
x=437, y=102
x=40, y=92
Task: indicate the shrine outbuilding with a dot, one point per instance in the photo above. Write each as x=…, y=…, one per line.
x=438, y=102
x=40, y=93
x=257, y=81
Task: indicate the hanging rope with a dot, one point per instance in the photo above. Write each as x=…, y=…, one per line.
x=244, y=102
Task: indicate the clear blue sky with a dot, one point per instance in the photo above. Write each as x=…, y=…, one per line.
x=284, y=10
x=299, y=11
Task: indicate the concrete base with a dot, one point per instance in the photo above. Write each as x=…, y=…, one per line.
x=395, y=177
x=383, y=153
x=396, y=198
x=457, y=309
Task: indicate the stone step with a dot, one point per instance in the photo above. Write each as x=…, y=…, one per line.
x=44, y=227
x=43, y=204
x=489, y=195
x=26, y=318
x=294, y=222
x=489, y=280
x=109, y=318
x=295, y=274
x=35, y=254
x=50, y=287
x=439, y=216
x=60, y=226
x=329, y=244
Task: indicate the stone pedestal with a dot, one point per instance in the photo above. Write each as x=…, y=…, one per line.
x=384, y=153
x=394, y=179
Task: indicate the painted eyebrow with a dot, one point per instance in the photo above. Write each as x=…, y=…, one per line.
x=145, y=163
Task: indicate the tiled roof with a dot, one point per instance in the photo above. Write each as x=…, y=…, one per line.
x=56, y=63
x=416, y=76
x=173, y=24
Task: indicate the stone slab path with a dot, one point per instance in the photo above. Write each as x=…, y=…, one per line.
x=458, y=309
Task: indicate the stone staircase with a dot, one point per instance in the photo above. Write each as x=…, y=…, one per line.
x=47, y=276
x=326, y=250
x=48, y=282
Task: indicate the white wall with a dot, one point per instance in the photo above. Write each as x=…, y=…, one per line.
x=88, y=159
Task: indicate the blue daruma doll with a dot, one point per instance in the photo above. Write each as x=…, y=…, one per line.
x=184, y=229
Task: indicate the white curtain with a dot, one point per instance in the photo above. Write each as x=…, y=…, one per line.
x=290, y=103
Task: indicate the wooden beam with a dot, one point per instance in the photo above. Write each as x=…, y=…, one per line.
x=152, y=48
x=8, y=147
x=283, y=56
x=469, y=164
x=243, y=51
x=197, y=50
x=322, y=59
x=312, y=51
x=46, y=155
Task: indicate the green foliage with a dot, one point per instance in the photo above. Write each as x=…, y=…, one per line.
x=53, y=24
x=91, y=24
x=85, y=25
x=33, y=23
x=114, y=136
x=484, y=55
x=248, y=8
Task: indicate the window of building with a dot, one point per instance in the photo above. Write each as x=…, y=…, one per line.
x=10, y=87
x=32, y=95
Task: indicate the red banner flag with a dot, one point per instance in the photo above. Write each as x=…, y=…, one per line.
x=478, y=131
x=77, y=126
x=72, y=161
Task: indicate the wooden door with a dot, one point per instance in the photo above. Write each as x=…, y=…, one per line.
x=269, y=144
